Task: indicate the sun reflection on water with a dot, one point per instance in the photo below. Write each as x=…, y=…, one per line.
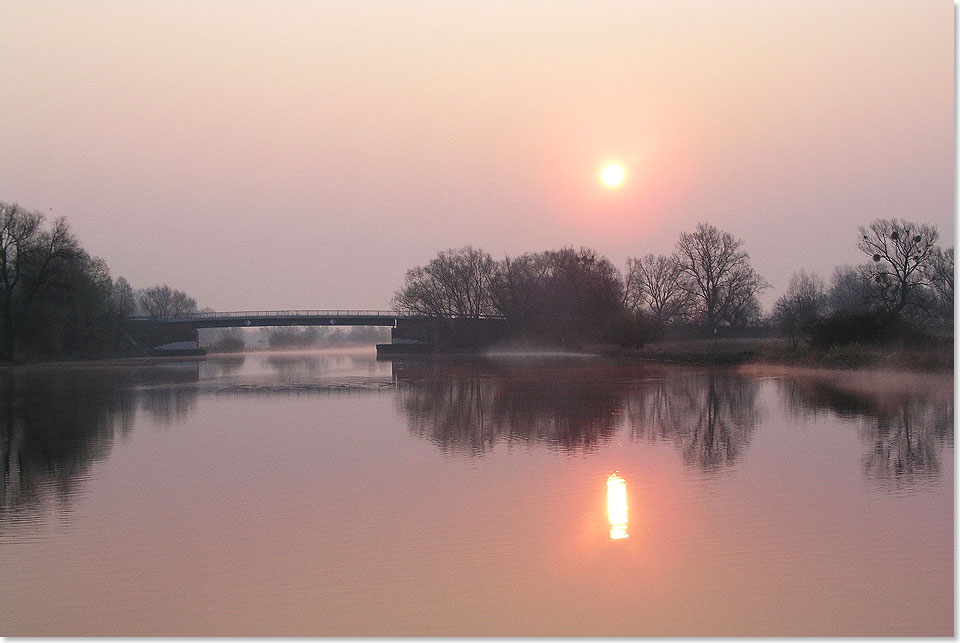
x=617, y=506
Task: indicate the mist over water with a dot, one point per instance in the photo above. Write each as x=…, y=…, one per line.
x=328, y=493
x=533, y=354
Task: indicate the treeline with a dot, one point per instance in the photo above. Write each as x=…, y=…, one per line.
x=899, y=295
x=573, y=296
x=58, y=301
x=706, y=285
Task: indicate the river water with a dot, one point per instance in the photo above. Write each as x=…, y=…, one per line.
x=328, y=493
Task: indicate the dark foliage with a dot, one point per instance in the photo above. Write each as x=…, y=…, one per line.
x=869, y=328
x=56, y=301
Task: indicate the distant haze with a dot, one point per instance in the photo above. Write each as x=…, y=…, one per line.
x=264, y=155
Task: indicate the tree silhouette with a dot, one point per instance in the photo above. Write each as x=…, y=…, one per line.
x=901, y=253
x=722, y=284
x=33, y=262
x=455, y=282
x=164, y=301
x=804, y=302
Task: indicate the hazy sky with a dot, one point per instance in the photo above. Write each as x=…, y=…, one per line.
x=266, y=155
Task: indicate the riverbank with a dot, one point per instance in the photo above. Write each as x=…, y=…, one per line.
x=739, y=352
x=724, y=352
x=100, y=362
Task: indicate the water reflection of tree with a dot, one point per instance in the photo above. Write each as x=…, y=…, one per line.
x=906, y=441
x=709, y=416
x=294, y=364
x=904, y=430
x=226, y=365
x=54, y=424
x=469, y=410
x=167, y=405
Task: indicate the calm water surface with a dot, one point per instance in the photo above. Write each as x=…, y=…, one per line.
x=331, y=494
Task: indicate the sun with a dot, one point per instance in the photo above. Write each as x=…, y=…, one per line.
x=612, y=175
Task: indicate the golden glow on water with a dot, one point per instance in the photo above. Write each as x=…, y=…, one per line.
x=617, y=506
x=334, y=539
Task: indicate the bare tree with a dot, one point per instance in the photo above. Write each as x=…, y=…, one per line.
x=851, y=290
x=804, y=302
x=722, y=284
x=940, y=276
x=123, y=301
x=164, y=301
x=33, y=261
x=455, y=282
x=656, y=286
x=901, y=252
x=559, y=296
x=517, y=285
x=583, y=284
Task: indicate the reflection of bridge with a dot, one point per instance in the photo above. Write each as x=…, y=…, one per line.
x=410, y=333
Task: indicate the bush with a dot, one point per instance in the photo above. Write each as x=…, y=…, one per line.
x=630, y=329
x=869, y=329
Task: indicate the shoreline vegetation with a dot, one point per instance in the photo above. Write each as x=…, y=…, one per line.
x=775, y=351
x=697, y=305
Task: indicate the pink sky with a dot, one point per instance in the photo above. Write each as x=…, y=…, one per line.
x=268, y=155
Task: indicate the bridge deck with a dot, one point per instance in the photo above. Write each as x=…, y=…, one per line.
x=338, y=317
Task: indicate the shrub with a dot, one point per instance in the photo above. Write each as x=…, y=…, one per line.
x=867, y=328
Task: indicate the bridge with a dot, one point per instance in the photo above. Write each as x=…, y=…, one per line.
x=244, y=318
x=177, y=334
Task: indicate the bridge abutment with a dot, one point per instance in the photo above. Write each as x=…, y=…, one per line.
x=157, y=338
x=443, y=335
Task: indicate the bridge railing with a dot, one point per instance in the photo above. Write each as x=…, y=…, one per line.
x=244, y=314
x=240, y=314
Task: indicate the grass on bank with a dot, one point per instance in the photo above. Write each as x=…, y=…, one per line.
x=938, y=356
